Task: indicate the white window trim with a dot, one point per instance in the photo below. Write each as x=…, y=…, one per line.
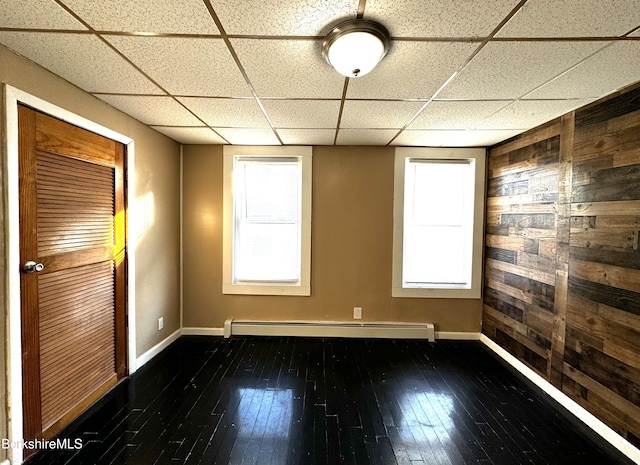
x=478, y=156
x=303, y=287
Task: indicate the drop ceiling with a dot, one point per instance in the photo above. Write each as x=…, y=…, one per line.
x=459, y=73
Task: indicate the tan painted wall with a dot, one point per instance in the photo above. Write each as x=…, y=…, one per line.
x=351, y=247
x=157, y=170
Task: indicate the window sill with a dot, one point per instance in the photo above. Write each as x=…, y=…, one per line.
x=256, y=289
x=435, y=293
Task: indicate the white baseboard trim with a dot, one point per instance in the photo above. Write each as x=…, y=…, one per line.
x=159, y=347
x=203, y=331
x=458, y=335
x=368, y=329
x=446, y=335
x=572, y=406
x=6, y=462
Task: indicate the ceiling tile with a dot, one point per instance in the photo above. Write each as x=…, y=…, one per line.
x=307, y=136
x=437, y=18
x=227, y=112
x=248, y=136
x=303, y=113
x=609, y=70
x=511, y=69
x=184, y=16
x=191, y=135
x=153, y=110
x=83, y=60
x=455, y=114
x=288, y=68
x=511, y=85
x=573, y=18
x=186, y=66
x=411, y=70
x=453, y=138
x=37, y=14
x=378, y=114
x=365, y=136
x=525, y=114
x=283, y=17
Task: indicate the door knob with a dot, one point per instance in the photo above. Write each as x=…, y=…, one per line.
x=31, y=267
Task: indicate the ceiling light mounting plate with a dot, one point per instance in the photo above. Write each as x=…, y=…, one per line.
x=354, y=47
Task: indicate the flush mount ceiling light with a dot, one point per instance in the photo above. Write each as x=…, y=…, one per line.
x=356, y=46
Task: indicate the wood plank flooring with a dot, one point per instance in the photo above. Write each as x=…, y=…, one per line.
x=284, y=401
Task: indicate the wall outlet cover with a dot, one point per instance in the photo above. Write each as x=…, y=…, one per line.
x=357, y=313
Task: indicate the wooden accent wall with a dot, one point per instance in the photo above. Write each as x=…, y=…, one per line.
x=562, y=272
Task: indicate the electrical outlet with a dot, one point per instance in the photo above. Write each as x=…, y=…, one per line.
x=357, y=313
x=160, y=323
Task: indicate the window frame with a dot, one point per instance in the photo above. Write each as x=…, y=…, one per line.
x=477, y=158
x=303, y=286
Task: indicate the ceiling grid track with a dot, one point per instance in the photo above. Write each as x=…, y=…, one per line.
x=344, y=97
x=234, y=55
x=362, y=4
x=253, y=73
x=466, y=63
x=359, y=15
x=124, y=57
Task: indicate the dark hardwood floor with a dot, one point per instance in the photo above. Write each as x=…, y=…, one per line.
x=264, y=401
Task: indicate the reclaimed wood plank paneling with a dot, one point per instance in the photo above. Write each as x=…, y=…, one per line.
x=520, y=268
x=620, y=414
x=562, y=262
x=604, y=260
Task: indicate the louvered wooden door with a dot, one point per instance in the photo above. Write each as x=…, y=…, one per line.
x=73, y=310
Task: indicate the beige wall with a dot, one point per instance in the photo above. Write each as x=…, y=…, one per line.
x=351, y=247
x=157, y=170
x=157, y=176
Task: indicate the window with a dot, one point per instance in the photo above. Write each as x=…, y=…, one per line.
x=267, y=220
x=438, y=209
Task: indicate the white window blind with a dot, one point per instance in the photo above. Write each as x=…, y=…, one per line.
x=266, y=240
x=438, y=219
x=267, y=207
x=437, y=228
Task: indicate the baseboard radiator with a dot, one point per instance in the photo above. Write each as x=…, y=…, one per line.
x=388, y=330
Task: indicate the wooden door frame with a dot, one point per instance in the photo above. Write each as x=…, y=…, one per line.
x=9, y=150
